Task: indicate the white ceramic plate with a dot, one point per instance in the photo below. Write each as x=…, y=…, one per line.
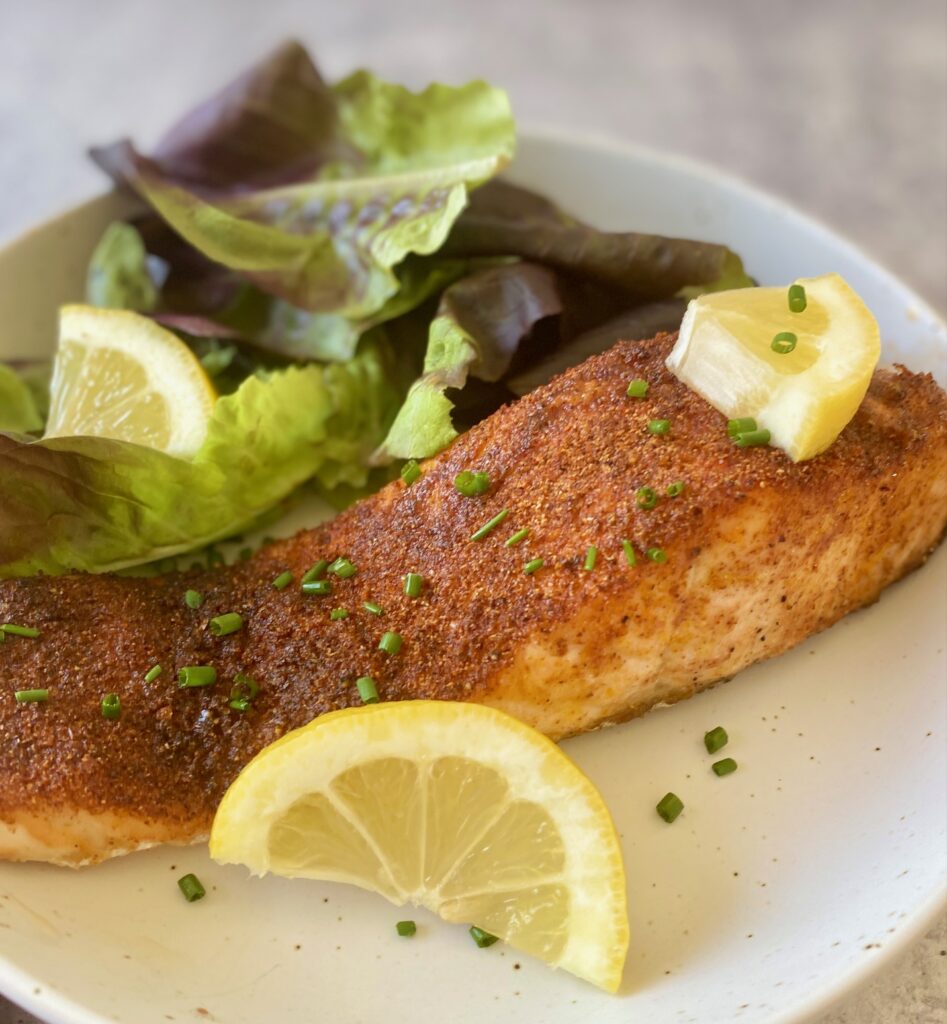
x=779, y=889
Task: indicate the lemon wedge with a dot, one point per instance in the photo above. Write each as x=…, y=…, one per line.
x=119, y=374
x=455, y=807
x=804, y=396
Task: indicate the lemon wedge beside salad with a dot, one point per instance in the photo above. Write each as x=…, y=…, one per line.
x=797, y=360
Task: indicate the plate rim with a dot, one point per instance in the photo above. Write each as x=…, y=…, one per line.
x=54, y=1007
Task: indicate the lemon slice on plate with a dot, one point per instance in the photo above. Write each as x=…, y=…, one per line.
x=455, y=807
x=119, y=374
x=801, y=373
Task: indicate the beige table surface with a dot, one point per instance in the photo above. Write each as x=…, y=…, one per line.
x=839, y=106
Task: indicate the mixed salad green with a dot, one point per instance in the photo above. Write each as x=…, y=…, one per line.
x=359, y=283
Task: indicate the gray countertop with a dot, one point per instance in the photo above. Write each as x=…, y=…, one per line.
x=840, y=106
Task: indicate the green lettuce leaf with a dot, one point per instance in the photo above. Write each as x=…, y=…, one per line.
x=328, y=242
x=479, y=326
x=96, y=504
x=119, y=275
x=18, y=407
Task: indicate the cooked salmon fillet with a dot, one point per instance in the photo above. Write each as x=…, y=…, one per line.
x=760, y=554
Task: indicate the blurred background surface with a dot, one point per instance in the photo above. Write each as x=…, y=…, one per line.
x=839, y=106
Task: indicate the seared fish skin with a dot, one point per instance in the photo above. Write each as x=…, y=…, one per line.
x=761, y=553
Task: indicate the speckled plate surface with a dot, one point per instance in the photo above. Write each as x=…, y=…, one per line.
x=779, y=889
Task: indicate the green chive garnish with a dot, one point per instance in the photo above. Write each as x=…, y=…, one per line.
x=283, y=580
x=245, y=688
x=316, y=572
x=669, y=807
x=317, y=588
x=30, y=696
x=630, y=557
x=245, y=554
x=646, y=497
x=111, y=706
x=658, y=555
x=724, y=767
x=533, y=566
x=715, y=739
x=410, y=471
x=342, y=568
x=224, y=625
x=676, y=489
x=9, y=629
x=406, y=928
x=152, y=674
x=784, y=342
x=637, y=388
x=367, y=689
x=740, y=426
x=193, y=599
x=192, y=676
x=471, y=484
x=413, y=584
x=390, y=643
x=490, y=526
x=591, y=557
x=752, y=439
x=659, y=426
x=797, y=298
x=337, y=614
x=375, y=609
x=517, y=538
x=482, y=938
x=191, y=886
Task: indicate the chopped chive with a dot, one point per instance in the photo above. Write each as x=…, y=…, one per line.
x=319, y=588
x=283, y=580
x=111, y=706
x=471, y=484
x=676, y=489
x=245, y=554
x=481, y=937
x=367, y=689
x=724, y=767
x=517, y=538
x=338, y=613
x=752, y=439
x=410, y=471
x=406, y=928
x=490, y=526
x=244, y=690
x=630, y=556
x=533, y=566
x=740, y=426
x=658, y=555
x=591, y=557
x=784, y=342
x=669, y=807
x=342, y=568
x=224, y=625
x=214, y=557
x=797, y=298
x=9, y=629
x=152, y=674
x=239, y=703
x=716, y=739
x=190, y=886
x=637, y=388
x=192, y=676
x=375, y=609
x=390, y=643
x=193, y=599
x=413, y=584
x=646, y=497
x=30, y=696
x=659, y=426
x=316, y=572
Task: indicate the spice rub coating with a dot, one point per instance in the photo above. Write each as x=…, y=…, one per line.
x=761, y=553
